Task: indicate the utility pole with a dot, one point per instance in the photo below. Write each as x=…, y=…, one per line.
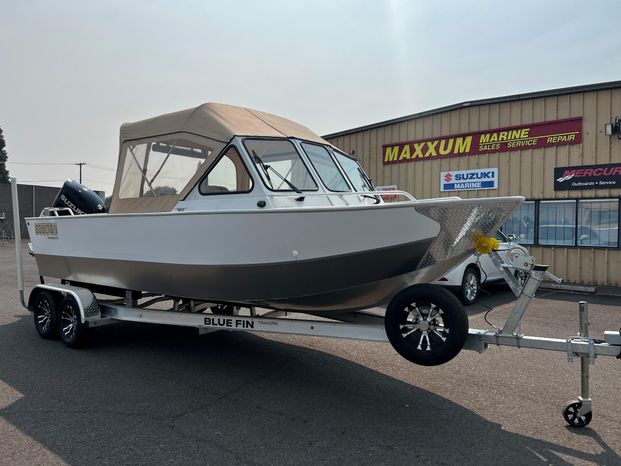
x=80, y=164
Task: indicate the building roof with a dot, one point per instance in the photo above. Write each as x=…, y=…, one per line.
x=472, y=103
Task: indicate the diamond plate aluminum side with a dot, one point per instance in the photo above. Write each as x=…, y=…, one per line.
x=89, y=307
x=460, y=220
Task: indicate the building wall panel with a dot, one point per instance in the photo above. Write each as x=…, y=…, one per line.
x=529, y=172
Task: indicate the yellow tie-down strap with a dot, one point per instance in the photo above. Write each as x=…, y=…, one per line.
x=484, y=244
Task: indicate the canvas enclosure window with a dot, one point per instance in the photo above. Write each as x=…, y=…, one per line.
x=161, y=167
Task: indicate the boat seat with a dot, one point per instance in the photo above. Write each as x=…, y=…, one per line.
x=215, y=189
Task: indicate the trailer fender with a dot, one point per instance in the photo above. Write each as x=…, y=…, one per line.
x=87, y=303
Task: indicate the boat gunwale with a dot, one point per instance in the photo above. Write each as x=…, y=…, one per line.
x=297, y=209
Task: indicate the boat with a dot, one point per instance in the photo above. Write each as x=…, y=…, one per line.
x=232, y=205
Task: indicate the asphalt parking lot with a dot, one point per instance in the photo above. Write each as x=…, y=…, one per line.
x=159, y=395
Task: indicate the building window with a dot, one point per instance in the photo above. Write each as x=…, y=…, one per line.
x=589, y=223
x=598, y=223
x=522, y=224
x=557, y=223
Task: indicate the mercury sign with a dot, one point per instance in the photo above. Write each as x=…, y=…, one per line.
x=606, y=176
x=467, y=180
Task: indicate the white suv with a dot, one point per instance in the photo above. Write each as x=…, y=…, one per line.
x=467, y=277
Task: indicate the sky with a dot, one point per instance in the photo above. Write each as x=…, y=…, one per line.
x=71, y=72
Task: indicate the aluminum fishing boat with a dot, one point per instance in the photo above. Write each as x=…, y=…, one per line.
x=231, y=205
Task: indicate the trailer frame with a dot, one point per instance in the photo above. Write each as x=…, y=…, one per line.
x=366, y=325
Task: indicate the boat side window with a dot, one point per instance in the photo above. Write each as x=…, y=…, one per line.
x=160, y=168
x=326, y=167
x=280, y=165
x=354, y=172
x=228, y=174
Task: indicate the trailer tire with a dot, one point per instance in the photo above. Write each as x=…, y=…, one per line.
x=45, y=315
x=426, y=324
x=72, y=331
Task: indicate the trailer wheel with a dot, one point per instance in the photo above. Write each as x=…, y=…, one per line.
x=45, y=315
x=72, y=331
x=426, y=324
x=571, y=414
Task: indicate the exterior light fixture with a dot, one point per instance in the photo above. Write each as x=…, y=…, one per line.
x=613, y=128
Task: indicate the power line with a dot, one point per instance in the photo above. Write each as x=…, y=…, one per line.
x=101, y=168
x=99, y=181
x=39, y=163
x=80, y=164
x=40, y=181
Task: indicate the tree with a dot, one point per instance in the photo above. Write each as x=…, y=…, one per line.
x=4, y=173
x=161, y=191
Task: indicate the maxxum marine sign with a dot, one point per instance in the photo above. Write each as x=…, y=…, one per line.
x=606, y=176
x=533, y=136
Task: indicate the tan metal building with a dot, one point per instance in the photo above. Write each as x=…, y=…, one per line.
x=560, y=149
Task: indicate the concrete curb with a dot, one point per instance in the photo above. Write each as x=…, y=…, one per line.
x=567, y=287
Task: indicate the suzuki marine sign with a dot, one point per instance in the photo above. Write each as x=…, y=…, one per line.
x=533, y=136
x=466, y=180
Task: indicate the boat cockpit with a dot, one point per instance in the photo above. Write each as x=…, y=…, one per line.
x=249, y=173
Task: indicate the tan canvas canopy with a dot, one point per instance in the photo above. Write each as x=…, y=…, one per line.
x=210, y=126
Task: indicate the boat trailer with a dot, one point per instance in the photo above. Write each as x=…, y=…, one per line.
x=80, y=311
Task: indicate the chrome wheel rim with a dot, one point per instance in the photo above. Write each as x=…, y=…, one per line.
x=68, y=321
x=44, y=315
x=424, y=324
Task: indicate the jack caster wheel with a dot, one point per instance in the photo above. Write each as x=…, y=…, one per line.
x=573, y=417
x=426, y=324
x=45, y=315
x=72, y=331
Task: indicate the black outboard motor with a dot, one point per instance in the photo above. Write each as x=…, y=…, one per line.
x=79, y=199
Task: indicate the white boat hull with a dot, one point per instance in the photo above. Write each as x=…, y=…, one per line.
x=318, y=258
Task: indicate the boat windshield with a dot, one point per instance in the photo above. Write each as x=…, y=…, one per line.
x=280, y=165
x=160, y=168
x=354, y=172
x=326, y=167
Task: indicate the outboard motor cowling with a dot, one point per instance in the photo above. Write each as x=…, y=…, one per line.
x=79, y=199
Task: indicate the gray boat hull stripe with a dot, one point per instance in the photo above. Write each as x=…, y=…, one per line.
x=290, y=280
